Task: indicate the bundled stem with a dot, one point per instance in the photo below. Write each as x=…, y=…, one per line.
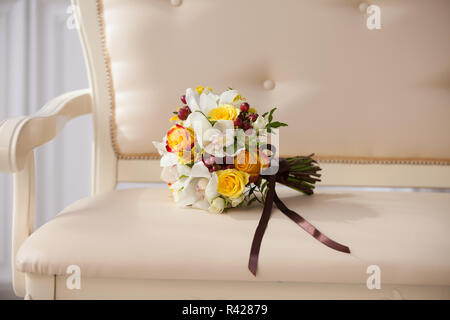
x=303, y=174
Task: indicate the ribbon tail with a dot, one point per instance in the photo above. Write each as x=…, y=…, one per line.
x=308, y=227
x=262, y=225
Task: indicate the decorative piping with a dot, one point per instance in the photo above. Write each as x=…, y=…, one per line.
x=110, y=86
x=155, y=156
x=111, y=95
x=350, y=160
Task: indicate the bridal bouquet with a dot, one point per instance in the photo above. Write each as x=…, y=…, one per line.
x=212, y=157
x=220, y=153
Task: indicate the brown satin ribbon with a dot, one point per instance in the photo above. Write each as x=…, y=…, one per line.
x=272, y=197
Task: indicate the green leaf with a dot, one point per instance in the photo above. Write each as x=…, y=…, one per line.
x=278, y=124
x=208, y=118
x=252, y=189
x=265, y=114
x=258, y=181
x=264, y=185
x=251, y=201
x=271, y=114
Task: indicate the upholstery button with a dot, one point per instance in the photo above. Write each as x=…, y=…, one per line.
x=363, y=7
x=269, y=85
x=176, y=3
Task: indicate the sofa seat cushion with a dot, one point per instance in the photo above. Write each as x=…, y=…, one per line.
x=142, y=234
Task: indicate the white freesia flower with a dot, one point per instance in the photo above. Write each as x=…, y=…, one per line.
x=237, y=201
x=260, y=123
x=217, y=205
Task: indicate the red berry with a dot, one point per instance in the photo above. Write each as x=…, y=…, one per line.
x=230, y=166
x=182, y=114
x=188, y=110
x=210, y=161
x=244, y=107
x=253, y=117
x=183, y=99
x=238, y=122
x=228, y=160
x=215, y=168
x=246, y=126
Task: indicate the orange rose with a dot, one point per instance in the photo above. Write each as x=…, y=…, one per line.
x=249, y=163
x=179, y=139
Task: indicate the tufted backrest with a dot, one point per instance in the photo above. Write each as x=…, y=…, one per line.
x=347, y=92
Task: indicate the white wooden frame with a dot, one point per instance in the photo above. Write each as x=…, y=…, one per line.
x=18, y=139
x=20, y=136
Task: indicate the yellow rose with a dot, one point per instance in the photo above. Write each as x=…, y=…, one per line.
x=224, y=112
x=231, y=182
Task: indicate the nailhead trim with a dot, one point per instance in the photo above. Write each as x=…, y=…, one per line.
x=111, y=101
x=382, y=161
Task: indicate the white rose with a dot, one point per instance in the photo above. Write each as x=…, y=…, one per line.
x=237, y=201
x=260, y=123
x=217, y=205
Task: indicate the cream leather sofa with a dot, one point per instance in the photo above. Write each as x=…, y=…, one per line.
x=372, y=104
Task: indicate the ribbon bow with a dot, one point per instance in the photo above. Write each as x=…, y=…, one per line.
x=271, y=197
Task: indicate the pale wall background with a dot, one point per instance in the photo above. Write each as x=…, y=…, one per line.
x=40, y=58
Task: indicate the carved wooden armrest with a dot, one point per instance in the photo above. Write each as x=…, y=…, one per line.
x=19, y=136
x=18, y=139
